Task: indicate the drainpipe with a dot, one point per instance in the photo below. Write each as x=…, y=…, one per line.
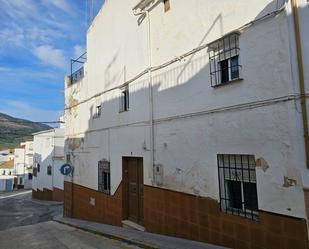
x=150, y=96
x=301, y=77
x=150, y=87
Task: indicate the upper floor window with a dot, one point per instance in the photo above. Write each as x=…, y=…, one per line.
x=237, y=183
x=35, y=171
x=124, y=100
x=49, y=170
x=68, y=158
x=104, y=177
x=98, y=111
x=224, y=60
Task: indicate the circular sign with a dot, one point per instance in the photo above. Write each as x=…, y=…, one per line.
x=66, y=169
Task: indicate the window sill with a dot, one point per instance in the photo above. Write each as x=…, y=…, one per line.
x=253, y=215
x=227, y=83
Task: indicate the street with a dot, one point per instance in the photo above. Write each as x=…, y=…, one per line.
x=27, y=223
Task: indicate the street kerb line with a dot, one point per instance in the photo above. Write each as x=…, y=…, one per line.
x=9, y=196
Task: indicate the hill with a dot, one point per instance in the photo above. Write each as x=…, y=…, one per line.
x=15, y=130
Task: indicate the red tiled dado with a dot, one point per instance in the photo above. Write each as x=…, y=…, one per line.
x=187, y=216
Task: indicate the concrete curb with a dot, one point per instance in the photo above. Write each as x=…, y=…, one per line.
x=110, y=236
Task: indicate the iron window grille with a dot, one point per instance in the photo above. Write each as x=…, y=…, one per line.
x=237, y=185
x=39, y=167
x=104, y=177
x=224, y=60
x=49, y=170
x=124, y=100
x=68, y=158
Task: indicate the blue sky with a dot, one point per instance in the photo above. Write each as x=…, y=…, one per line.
x=37, y=40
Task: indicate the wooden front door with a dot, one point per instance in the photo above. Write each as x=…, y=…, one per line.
x=133, y=189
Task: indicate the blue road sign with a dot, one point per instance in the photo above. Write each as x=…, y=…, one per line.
x=66, y=169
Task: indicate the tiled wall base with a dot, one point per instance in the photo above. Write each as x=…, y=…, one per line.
x=187, y=216
x=48, y=195
x=191, y=217
x=93, y=205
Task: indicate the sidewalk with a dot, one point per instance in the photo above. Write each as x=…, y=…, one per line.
x=142, y=239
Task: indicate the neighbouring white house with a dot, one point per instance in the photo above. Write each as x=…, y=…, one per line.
x=7, y=162
x=188, y=118
x=48, y=158
x=23, y=163
x=6, y=183
x=6, y=155
x=7, y=168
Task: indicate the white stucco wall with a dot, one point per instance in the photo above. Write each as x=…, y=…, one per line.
x=19, y=161
x=193, y=121
x=48, y=150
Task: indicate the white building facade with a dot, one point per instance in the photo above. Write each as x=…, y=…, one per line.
x=189, y=115
x=48, y=158
x=23, y=163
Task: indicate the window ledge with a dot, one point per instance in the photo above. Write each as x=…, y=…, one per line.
x=228, y=82
x=252, y=215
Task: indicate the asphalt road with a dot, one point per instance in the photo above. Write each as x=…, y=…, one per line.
x=27, y=223
x=18, y=209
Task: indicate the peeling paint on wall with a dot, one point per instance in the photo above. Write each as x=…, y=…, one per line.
x=288, y=182
x=74, y=143
x=261, y=163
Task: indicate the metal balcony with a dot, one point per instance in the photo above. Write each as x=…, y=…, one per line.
x=77, y=68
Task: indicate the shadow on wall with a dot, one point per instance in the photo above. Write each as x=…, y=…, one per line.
x=198, y=217
x=173, y=91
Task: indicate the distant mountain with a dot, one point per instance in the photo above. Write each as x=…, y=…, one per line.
x=15, y=130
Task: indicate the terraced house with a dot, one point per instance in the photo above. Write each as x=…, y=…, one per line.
x=48, y=158
x=188, y=118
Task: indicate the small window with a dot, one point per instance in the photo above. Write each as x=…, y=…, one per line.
x=30, y=176
x=39, y=167
x=124, y=100
x=68, y=158
x=98, y=108
x=35, y=171
x=98, y=111
x=237, y=182
x=49, y=170
x=104, y=178
x=224, y=60
x=167, y=5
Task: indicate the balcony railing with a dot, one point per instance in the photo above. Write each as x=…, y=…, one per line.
x=77, y=75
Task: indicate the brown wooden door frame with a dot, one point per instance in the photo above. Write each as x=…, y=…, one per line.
x=127, y=196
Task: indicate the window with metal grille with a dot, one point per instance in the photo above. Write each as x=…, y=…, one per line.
x=124, y=100
x=68, y=158
x=39, y=167
x=237, y=185
x=224, y=60
x=49, y=170
x=104, y=177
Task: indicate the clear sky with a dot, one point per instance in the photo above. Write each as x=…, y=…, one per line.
x=37, y=40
